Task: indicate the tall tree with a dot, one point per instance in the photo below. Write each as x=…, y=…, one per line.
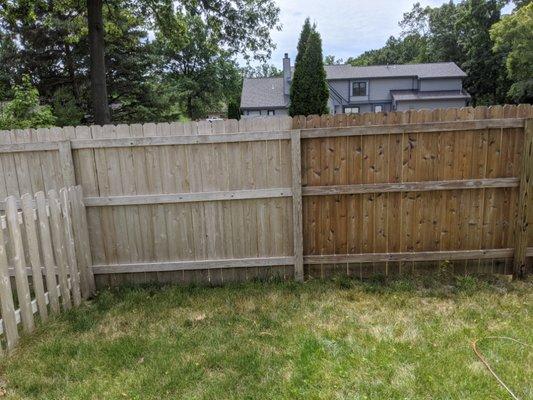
x=95, y=23
x=302, y=41
x=513, y=37
x=296, y=85
x=455, y=31
x=262, y=71
x=311, y=94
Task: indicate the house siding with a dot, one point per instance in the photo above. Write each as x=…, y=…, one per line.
x=441, y=84
x=429, y=104
x=380, y=88
x=246, y=113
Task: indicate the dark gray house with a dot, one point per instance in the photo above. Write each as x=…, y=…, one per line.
x=365, y=89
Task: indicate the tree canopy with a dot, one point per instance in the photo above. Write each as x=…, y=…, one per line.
x=513, y=37
x=466, y=33
x=24, y=111
x=309, y=91
x=164, y=60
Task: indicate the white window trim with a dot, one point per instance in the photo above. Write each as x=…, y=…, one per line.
x=352, y=108
x=359, y=81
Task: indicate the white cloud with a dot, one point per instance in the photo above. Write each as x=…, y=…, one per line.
x=347, y=27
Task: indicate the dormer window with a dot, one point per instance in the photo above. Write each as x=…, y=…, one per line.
x=359, y=88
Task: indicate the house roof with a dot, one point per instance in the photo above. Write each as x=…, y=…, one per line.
x=409, y=95
x=263, y=92
x=268, y=92
x=422, y=71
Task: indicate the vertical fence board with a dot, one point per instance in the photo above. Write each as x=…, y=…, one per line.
x=70, y=247
x=30, y=216
x=524, y=202
x=19, y=262
x=6, y=298
x=297, y=206
x=47, y=251
x=58, y=244
x=67, y=163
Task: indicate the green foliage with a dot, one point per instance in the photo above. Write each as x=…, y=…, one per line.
x=7, y=50
x=458, y=32
x=234, y=111
x=410, y=49
x=65, y=109
x=309, y=91
x=24, y=111
x=513, y=37
x=302, y=41
x=262, y=71
x=331, y=60
x=188, y=69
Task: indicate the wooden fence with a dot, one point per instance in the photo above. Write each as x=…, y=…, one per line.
x=50, y=235
x=233, y=200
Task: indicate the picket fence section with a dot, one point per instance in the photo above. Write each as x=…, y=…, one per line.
x=233, y=200
x=46, y=240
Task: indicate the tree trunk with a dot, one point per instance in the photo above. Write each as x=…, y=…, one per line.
x=69, y=62
x=189, y=107
x=97, y=52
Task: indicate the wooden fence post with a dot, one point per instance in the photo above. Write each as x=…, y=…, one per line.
x=83, y=248
x=19, y=261
x=70, y=247
x=67, y=164
x=524, y=202
x=58, y=242
x=296, y=157
x=6, y=298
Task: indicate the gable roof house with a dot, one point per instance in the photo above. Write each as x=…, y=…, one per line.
x=373, y=88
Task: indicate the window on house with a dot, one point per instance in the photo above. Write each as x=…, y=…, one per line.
x=351, y=110
x=271, y=112
x=378, y=109
x=358, y=88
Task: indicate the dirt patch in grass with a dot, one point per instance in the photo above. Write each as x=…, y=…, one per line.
x=320, y=340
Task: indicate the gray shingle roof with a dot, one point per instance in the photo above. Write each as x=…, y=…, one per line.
x=433, y=70
x=263, y=92
x=268, y=92
x=403, y=95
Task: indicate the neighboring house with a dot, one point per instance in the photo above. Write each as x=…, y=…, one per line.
x=364, y=89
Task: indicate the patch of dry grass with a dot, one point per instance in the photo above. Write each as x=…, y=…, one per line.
x=319, y=340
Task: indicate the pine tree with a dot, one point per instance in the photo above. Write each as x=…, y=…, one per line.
x=234, y=111
x=302, y=42
x=294, y=107
x=309, y=91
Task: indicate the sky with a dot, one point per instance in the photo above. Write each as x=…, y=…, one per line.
x=348, y=27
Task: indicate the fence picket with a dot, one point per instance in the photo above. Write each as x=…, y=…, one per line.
x=58, y=242
x=6, y=298
x=70, y=247
x=19, y=261
x=35, y=258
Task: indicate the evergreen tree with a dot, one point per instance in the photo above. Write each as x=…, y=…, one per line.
x=302, y=42
x=234, y=111
x=296, y=84
x=309, y=90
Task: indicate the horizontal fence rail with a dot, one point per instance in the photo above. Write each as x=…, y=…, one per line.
x=232, y=200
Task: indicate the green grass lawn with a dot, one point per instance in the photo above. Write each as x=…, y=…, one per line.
x=321, y=340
